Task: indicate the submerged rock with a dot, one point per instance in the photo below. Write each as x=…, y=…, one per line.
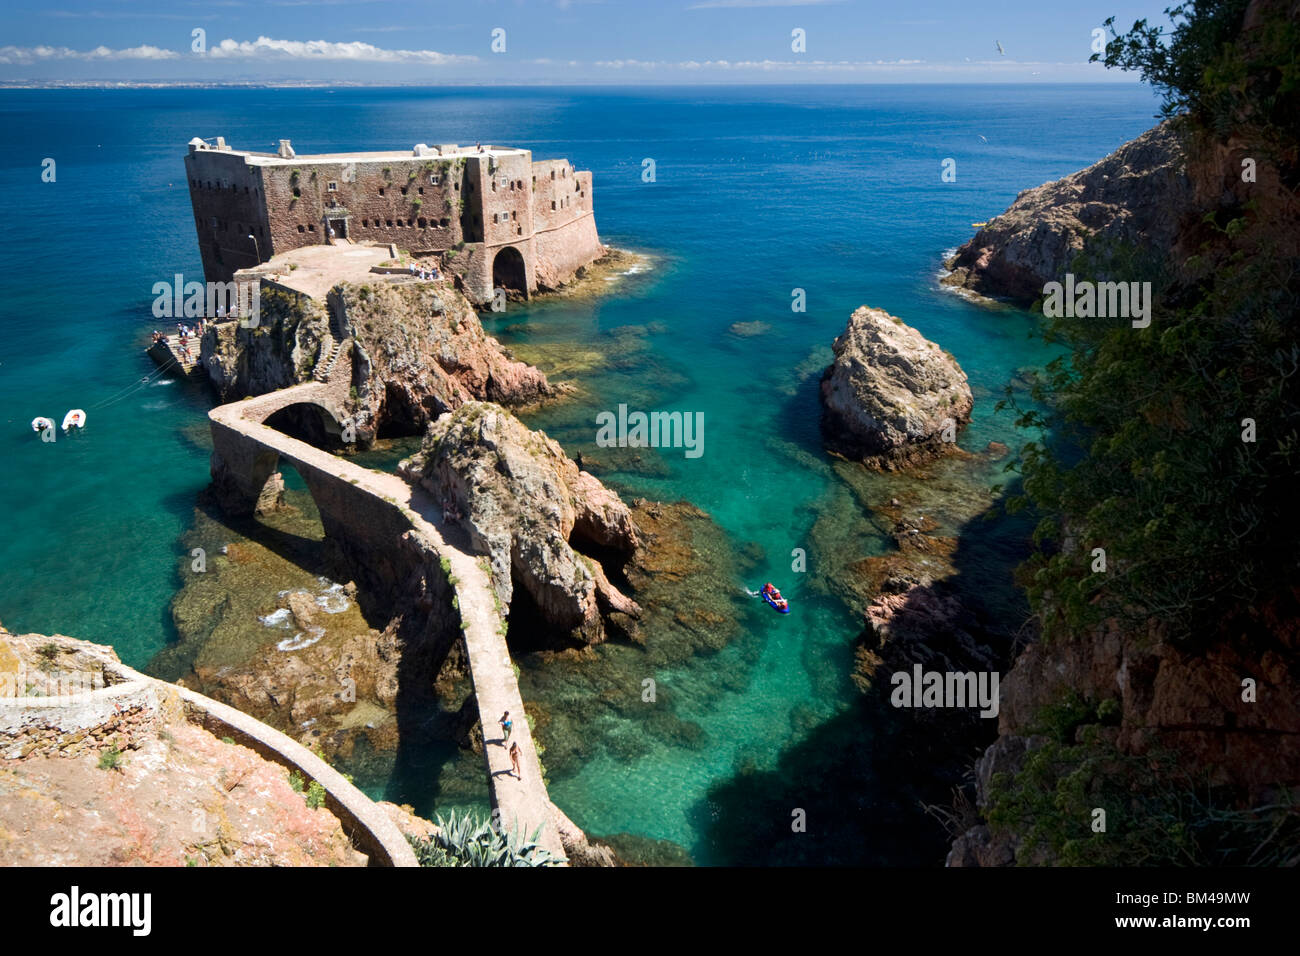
x=544, y=524
x=891, y=397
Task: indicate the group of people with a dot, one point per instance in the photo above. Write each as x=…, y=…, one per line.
x=424, y=272
x=450, y=510
x=770, y=590
x=506, y=726
x=183, y=335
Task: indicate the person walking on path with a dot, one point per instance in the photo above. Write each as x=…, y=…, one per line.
x=506, y=724
x=514, y=760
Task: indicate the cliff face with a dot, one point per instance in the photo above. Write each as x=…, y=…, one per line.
x=890, y=395
x=421, y=351
x=418, y=350
x=544, y=524
x=1159, y=717
x=1140, y=195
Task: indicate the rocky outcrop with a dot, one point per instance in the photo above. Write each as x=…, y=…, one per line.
x=421, y=351
x=891, y=398
x=547, y=528
x=1137, y=196
x=418, y=350
x=106, y=767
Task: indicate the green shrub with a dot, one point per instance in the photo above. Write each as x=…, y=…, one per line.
x=470, y=841
x=315, y=795
x=110, y=759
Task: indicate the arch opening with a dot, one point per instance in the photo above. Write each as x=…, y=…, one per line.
x=509, y=271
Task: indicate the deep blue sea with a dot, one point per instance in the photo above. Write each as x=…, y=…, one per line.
x=757, y=192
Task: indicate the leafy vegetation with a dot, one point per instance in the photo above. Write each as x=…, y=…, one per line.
x=470, y=841
x=1173, y=448
x=1152, y=457
x=1158, y=812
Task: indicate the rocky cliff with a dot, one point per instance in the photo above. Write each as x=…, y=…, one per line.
x=418, y=350
x=547, y=527
x=1139, y=195
x=891, y=397
x=1183, y=728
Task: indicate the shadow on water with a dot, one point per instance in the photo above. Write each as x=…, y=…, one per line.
x=862, y=779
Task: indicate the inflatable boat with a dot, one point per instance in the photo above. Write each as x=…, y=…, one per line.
x=783, y=606
x=74, y=419
x=41, y=424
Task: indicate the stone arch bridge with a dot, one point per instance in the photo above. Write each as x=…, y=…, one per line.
x=382, y=523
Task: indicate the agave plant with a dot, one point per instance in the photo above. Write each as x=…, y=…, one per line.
x=467, y=840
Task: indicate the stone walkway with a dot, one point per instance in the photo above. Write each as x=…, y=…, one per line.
x=523, y=802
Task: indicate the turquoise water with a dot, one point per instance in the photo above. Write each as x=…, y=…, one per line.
x=758, y=191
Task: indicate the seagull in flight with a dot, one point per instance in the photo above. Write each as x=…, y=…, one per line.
x=998, y=44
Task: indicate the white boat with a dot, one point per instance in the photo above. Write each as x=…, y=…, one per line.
x=41, y=424
x=74, y=419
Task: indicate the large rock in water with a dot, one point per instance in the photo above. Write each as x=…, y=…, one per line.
x=1136, y=196
x=890, y=395
x=534, y=513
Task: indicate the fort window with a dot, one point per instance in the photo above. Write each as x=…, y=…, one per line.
x=389, y=223
x=552, y=203
x=434, y=179
x=311, y=227
x=420, y=190
x=302, y=228
x=403, y=190
x=513, y=214
x=552, y=174
x=424, y=223
x=297, y=193
x=444, y=223
x=332, y=187
x=381, y=190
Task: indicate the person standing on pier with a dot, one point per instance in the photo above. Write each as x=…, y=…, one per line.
x=514, y=760
x=506, y=724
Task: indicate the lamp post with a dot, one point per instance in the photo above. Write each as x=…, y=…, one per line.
x=256, y=250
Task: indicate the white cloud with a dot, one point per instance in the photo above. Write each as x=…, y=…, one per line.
x=36, y=54
x=355, y=51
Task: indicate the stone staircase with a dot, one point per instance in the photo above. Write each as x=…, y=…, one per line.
x=329, y=356
x=169, y=355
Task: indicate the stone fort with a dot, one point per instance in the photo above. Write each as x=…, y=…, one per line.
x=498, y=219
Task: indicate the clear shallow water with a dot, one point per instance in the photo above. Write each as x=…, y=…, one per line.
x=758, y=191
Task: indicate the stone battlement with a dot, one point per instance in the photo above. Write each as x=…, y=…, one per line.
x=498, y=219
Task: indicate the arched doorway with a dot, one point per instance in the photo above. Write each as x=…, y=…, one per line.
x=509, y=271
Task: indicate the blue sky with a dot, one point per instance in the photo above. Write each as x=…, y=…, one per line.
x=560, y=41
